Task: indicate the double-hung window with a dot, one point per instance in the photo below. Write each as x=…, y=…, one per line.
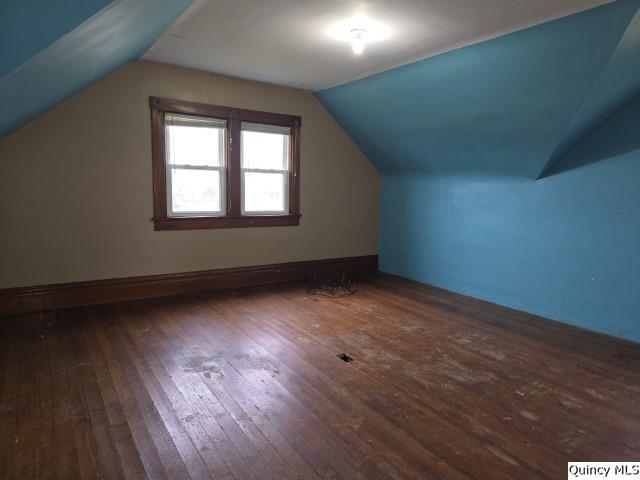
x=221, y=167
x=196, y=171
x=265, y=168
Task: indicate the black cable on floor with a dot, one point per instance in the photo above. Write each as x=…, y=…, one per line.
x=334, y=286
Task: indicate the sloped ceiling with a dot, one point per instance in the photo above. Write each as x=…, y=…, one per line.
x=52, y=50
x=519, y=105
x=615, y=88
x=615, y=136
x=29, y=26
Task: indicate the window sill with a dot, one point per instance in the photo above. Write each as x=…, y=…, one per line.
x=198, y=223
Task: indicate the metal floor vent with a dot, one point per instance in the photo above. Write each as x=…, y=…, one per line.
x=345, y=358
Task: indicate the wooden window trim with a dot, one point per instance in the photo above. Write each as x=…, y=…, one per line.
x=234, y=116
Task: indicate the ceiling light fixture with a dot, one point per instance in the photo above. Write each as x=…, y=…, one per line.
x=359, y=31
x=358, y=40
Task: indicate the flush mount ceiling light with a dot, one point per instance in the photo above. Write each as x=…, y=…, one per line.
x=358, y=40
x=359, y=32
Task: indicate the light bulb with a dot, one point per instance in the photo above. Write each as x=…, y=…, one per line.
x=358, y=40
x=359, y=31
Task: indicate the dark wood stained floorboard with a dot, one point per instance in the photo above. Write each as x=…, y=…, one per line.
x=246, y=384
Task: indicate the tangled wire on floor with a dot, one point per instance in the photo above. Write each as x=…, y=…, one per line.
x=334, y=286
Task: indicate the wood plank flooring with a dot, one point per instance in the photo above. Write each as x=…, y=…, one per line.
x=246, y=384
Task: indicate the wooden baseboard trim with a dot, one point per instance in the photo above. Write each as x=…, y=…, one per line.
x=66, y=295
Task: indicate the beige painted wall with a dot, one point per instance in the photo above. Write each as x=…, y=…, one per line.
x=75, y=186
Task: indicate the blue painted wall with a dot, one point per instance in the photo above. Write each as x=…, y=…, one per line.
x=461, y=138
x=82, y=42
x=566, y=247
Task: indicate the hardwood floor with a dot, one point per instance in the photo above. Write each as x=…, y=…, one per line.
x=246, y=384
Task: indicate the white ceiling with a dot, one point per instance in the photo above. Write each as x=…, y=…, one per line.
x=286, y=41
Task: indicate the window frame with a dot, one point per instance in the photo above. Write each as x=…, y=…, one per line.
x=233, y=194
x=282, y=171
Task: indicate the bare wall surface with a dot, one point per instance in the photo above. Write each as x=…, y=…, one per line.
x=76, y=189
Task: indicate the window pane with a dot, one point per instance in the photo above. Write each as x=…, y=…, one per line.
x=195, y=190
x=264, y=192
x=267, y=151
x=194, y=145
